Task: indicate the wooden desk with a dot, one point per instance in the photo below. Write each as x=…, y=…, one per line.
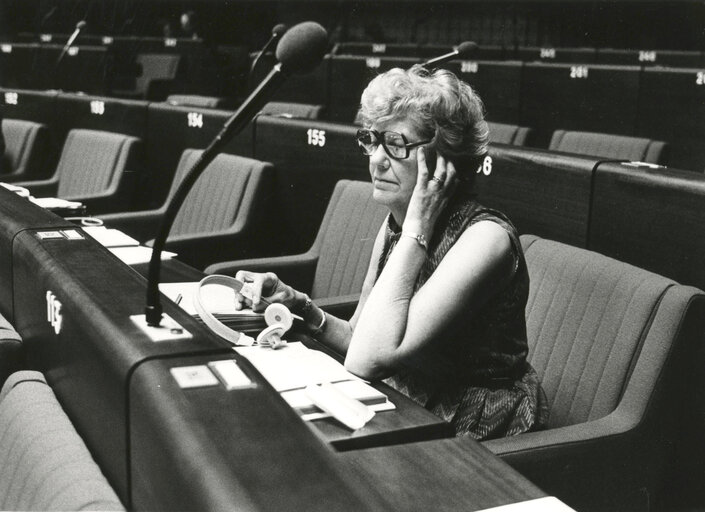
x=441, y=475
x=409, y=422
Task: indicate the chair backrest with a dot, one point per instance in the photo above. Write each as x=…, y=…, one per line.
x=587, y=317
x=225, y=189
x=46, y=465
x=156, y=66
x=292, y=110
x=93, y=161
x=513, y=134
x=25, y=145
x=345, y=239
x=608, y=145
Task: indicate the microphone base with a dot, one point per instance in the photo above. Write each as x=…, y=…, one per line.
x=168, y=330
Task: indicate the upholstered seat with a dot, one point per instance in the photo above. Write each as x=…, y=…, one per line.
x=606, y=145
x=45, y=464
x=611, y=344
x=96, y=168
x=217, y=218
x=334, y=268
x=26, y=147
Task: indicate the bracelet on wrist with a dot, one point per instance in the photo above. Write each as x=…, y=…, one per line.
x=420, y=239
x=305, y=310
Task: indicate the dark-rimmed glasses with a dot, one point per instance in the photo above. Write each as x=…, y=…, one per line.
x=394, y=144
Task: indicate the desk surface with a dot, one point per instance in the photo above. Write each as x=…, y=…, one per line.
x=448, y=474
x=409, y=422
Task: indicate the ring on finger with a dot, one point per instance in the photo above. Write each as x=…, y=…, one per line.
x=437, y=179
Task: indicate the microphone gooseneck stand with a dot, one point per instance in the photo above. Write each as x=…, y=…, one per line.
x=299, y=51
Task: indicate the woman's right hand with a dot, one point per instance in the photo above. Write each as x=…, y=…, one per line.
x=265, y=285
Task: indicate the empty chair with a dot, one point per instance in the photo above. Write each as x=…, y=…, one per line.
x=606, y=145
x=515, y=135
x=334, y=268
x=46, y=465
x=96, y=168
x=156, y=72
x=26, y=145
x=292, y=110
x=217, y=219
x=612, y=344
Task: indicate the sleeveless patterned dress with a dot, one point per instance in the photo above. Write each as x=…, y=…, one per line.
x=475, y=376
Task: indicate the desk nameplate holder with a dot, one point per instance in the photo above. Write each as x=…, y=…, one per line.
x=168, y=330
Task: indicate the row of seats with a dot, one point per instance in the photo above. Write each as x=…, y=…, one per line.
x=648, y=57
x=654, y=103
x=308, y=157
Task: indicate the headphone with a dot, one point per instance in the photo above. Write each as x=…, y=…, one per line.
x=277, y=316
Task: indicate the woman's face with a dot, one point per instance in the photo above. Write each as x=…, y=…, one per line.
x=394, y=180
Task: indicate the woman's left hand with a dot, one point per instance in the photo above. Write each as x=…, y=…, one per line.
x=430, y=195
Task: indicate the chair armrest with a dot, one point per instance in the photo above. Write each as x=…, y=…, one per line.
x=343, y=306
x=295, y=270
x=572, y=462
x=141, y=225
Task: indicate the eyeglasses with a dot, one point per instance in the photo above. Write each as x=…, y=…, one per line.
x=394, y=144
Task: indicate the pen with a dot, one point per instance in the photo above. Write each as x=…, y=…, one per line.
x=178, y=298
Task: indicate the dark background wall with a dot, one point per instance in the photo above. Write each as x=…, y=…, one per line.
x=678, y=25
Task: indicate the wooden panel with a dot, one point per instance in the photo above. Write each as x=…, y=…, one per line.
x=651, y=218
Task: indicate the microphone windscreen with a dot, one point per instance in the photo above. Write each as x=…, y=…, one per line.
x=279, y=29
x=466, y=48
x=80, y=24
x=301, y=49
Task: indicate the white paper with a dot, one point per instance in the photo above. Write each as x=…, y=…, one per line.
x=294, y=366
x=54, y=202
x=546, y=504
x=20, y=191
x=110, y=237
x=139, y=254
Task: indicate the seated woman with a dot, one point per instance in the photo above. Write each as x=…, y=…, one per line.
x=441, y=313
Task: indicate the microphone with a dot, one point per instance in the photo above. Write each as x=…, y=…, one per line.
x=277, y=32
x=462, y=51
x=79, y=26
x=299, y=51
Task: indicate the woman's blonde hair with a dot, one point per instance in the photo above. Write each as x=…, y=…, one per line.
x=438, y=105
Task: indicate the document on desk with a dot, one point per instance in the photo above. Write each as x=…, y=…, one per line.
x=294, y=367
x=109, y=237
x=138, y=254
